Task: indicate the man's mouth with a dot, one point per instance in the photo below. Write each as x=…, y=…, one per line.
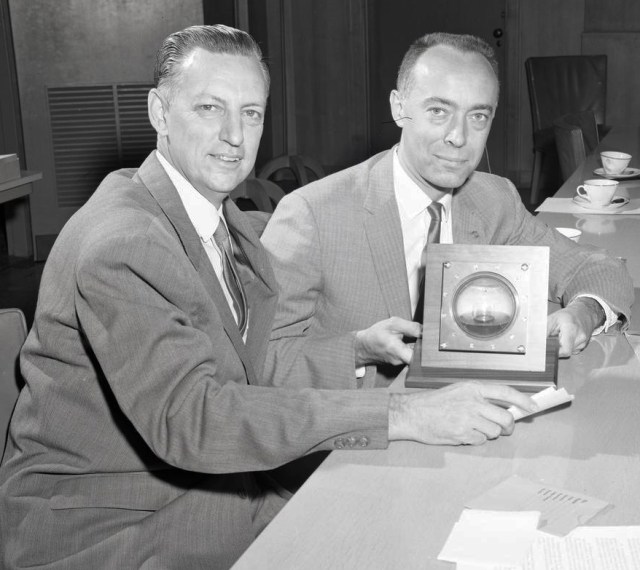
x=452, y=161
x=227, y=157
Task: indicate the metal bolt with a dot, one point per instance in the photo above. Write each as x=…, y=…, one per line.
x=520, y=348
x=524, y=267
x=447, y=264
x=443, y=345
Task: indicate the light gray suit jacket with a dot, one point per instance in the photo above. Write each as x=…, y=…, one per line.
x=136, y=439
x=337, y=251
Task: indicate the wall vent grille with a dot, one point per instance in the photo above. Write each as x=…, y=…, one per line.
x=96, y=129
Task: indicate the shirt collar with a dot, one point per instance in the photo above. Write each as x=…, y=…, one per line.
x=203, y=214
x=411, y=199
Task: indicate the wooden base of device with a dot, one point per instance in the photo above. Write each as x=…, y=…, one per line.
x=419, y=376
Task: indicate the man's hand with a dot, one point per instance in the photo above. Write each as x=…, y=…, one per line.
x=383, y=342
x=461, y=413
x=575, y=324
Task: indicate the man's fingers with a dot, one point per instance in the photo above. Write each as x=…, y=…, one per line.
x=405, y=328
x=508, y=395
x=500, y=420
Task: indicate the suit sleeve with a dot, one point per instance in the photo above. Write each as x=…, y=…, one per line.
x=182, y=385
x=300, y=350
x=574, y=269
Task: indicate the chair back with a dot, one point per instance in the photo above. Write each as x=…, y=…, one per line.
x=576, y=136
x=304, y=169
x=566, y=84
x=559, y=85
x=13, y=332
x=257, y=194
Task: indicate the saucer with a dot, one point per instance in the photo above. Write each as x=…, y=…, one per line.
x=618, y=203
x=626, y=173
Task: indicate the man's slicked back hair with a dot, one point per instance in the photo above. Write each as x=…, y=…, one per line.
x=177, y=47
x=461, y=42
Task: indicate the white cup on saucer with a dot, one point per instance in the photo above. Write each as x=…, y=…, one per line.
x=598, y=191
x=614, y=162
x=572, y=233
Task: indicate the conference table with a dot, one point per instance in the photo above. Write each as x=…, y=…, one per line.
x=395, y=508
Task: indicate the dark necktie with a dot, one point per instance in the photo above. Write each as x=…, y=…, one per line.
x=230, y=274
x=433, y=236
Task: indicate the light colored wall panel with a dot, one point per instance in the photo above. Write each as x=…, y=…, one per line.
x=80, y=42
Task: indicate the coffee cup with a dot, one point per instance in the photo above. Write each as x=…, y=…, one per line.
x=614, y=162
x=572, y=233
x=598, y=191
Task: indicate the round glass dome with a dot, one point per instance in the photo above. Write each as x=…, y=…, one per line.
x=484, y=305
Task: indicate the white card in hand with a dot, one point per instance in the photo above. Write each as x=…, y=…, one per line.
x=548, y=398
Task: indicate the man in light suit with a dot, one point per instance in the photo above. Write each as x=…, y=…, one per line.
x=142, y=437
x=346, y=250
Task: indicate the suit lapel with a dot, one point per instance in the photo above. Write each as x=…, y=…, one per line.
x=468, y=226
x=257, y=279
x=384, y=234
x=161, y=188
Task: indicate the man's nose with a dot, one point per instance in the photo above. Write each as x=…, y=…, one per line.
x=231, y=131
x=456, y=134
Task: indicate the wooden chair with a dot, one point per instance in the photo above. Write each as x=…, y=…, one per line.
x=303, y=168
x=257, y=194
x=576, y=136
x=559, y=85
x=13, y=332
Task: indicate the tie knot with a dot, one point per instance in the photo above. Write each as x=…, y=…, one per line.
x=435, y=211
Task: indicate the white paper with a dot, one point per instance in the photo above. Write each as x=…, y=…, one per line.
x=561, y=510
x=548, y=398
x=586, y=548
x=494, y=538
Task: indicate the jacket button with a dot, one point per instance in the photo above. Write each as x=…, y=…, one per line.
x=363, y=441
x=338, y=443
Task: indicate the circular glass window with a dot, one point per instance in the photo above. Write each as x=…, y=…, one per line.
x=485, y=305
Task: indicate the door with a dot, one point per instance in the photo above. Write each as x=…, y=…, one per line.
x=394, y=25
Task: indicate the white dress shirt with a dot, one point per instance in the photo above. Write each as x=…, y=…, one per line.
x=414, y=220
x=205, y=219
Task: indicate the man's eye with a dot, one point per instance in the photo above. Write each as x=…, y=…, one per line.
x=437, y=111
x=480, y=117
x=253, y=116
x=209, y=108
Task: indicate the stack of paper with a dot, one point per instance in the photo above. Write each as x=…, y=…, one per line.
x=491, y=538
x=498, y=531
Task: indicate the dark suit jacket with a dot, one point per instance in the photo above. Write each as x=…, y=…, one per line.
x=135, y=441
x=337, y=251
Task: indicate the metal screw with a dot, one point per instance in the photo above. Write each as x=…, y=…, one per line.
x=524, y=267
x=520, y=348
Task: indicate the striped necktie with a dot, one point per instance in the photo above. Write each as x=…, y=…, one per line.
x=433, y=236
x=230, y=274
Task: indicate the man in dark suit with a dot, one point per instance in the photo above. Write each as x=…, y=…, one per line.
x=143, y=436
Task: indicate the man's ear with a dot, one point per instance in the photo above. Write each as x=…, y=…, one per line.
x=156, y=105
x=397, y=112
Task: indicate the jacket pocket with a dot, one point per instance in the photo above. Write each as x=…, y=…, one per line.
x=143, y=491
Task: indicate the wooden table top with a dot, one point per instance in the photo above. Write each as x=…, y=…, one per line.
x=395, y=508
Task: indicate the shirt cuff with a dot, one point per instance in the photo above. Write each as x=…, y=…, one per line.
x=611, y=317
x=361, y=371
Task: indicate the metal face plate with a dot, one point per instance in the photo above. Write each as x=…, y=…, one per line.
x=455, y=274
